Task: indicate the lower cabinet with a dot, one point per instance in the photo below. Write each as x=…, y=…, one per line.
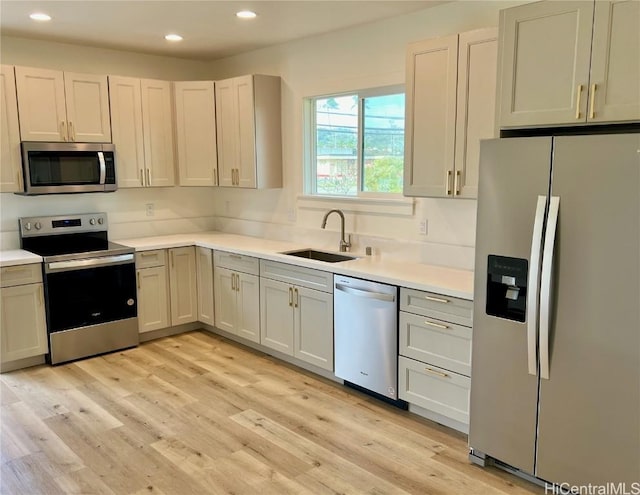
x=434, y=366
x=204, y=279
x=237, y=295
x=183, y=286
x=23, y=330
x=153, y=290
x=295, y=319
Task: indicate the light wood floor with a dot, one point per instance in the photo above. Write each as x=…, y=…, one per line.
x=197, y=414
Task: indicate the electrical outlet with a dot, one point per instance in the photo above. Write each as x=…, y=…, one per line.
x=423, y=227
x=151, y=209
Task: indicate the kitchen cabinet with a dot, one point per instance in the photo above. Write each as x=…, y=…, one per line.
x=450, y=107
x=23, y=329
x=237, y=295
x=566, y=63
x=10, y=160
x=183, y=285
x=195, y=111
x=204, y=281
x=248, y=132
x=296, y=312
x=435, y=355
x=62, y=106
x=142, y=125
x=153, y=290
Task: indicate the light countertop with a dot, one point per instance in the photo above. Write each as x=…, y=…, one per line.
x=16, y=257
x=442, y=280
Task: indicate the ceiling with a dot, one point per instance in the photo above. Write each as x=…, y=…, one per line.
x=209, y=27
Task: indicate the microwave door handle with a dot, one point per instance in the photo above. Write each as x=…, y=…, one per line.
x=103, y=167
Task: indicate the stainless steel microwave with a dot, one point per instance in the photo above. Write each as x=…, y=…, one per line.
x=57, y=168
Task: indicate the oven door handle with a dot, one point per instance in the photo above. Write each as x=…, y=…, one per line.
x=103, y=167
x=90, y=262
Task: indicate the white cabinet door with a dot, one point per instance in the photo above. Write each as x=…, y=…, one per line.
x=196, y=133
x=87, y=101
x=157, y=120
x=23, y=332
x=225, y=296
x=313, y=327
x=614, y=90
x=246, y=138
x=10, y=161
x=430, y=117
x=546, y=51
x=276, y=308
x=153, y=299
x=226, y=122
x=182, y=282
x=248, y=306
x=475, y=114
x=41, y=104
x=204, y=264
x=126, y=126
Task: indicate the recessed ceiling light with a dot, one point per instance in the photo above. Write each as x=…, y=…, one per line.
x=173, y=37
x=40, y=16
x=246, y=14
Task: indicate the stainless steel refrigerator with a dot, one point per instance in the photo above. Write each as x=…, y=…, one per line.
x=555, y=387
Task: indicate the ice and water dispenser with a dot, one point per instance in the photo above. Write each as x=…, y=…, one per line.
x=507, y=287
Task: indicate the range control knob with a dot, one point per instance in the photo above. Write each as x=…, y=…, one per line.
x=100, y=220
x=92, y=221
x=38, y=225
x=27, y=226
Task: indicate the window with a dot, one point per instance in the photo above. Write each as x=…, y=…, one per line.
x=357, y=143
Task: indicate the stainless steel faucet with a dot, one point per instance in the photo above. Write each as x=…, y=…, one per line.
x=345, y=244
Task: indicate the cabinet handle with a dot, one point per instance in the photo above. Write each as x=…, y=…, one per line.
x=138, y=280
x=72, y=132
x=449, y=174
x=148, y=177
x=457, y=184
x=233, y=176
x=235, y=256
x=237, y=283
x=233, y=282
x=290, y=297
x=437, y=325
x=173, y=261
x=435, y=372
x=297, y=300
x=436, y=299
x=592, y=101
x=142, y=177
x=578, y=100
x=215, y=176
x=63, y=131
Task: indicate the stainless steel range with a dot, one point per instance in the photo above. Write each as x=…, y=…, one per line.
x=89, y=285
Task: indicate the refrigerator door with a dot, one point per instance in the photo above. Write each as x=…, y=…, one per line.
x=589, y=419
x=514, y=173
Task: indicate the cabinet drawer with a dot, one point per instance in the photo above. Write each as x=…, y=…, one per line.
x=297, y=275
x=435, y=389
x=237, y=262
x=436, y=306
x=432, y=341
x=20, y=275
x=148, y=259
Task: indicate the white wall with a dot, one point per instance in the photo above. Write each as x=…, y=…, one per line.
x=176, y=209
x=367, y=56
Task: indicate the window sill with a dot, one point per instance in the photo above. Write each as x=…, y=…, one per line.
x=397, y=207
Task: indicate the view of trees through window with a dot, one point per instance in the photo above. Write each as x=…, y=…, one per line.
x=343, y=166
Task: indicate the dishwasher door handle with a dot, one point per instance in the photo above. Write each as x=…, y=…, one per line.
x=365, y=293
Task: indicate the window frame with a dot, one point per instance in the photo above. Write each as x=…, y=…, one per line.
x=309, y=142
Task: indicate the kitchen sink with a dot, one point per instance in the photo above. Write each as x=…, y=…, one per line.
x=312, y=254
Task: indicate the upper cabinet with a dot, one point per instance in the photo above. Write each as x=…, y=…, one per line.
x=62, y=106
x=565, y=63
x=248, y=132
x=142, y=125
x=450, y=106
x=10, y=164
x=195, y=112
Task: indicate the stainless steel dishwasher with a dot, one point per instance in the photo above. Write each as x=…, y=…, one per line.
x=366, y=335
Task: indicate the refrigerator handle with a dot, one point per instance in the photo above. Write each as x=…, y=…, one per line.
x=533, y=284
x=545, y=285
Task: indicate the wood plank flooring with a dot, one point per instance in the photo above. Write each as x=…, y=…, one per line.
x=197, y=414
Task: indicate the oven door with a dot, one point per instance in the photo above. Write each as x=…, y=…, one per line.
x=91, y=291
